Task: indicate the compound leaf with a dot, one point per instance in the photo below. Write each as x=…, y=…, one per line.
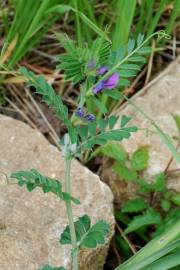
x=48, y=94
x=87, y=235
x=33, y=179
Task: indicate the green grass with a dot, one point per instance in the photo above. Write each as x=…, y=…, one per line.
x=31, y=21
x=125, y=11
x=154, y=256
x=175, y=14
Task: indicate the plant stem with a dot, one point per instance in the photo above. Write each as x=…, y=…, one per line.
x=75, y=265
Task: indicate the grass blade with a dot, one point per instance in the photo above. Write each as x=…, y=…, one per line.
x=154, y=250
x=125, y=14
x=174, y=15
x=156, y=18
x=165, y=263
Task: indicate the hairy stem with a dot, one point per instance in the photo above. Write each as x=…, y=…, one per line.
x=75, y=265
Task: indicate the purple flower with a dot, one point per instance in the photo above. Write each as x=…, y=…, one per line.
x=102, y=70
x=90, y=117
x=109, y=83
x=99, y=87
x=112, y=81
x=79, y=112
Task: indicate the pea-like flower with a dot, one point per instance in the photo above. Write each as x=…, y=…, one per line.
x=90, y=117
x=79, y=112
x=112, y=81
x=102, y=70
x=109, y=83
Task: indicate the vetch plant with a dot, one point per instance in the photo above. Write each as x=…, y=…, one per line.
x=98, y=70
x=81, y=136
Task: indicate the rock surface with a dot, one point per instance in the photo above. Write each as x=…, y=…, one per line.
x=159, y=101
x=31, y=223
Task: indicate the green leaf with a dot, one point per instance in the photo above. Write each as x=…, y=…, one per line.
x=145, y=50
x=159, y=183
x=114, y=135
x=130, y=66
x=131, y=45
x=144, y=185
x=133, y=206
x=114, y=150
x=103, y=50
x=125, y=120
x=112, y=121
x=137, y=58
x=92, y=128
x=165, y=205
x=176, y=199
x=103, y=123
x=48, y=94
x=102, y=108
x=72, y=134
x=117, y=134
x=74, y=60
x=124, y=82
x=140, y=39
x=103, y=137
x=151, y=217
x=140, y=157
x=126, y=73
x=96, y=235
x=87, y=235
x=82, y=131
x=115, y=94
x=124, y=172
x=99, y=141
x=33, y=179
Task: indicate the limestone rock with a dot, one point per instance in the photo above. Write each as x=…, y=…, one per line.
x=31, y=223
x=159, y=101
